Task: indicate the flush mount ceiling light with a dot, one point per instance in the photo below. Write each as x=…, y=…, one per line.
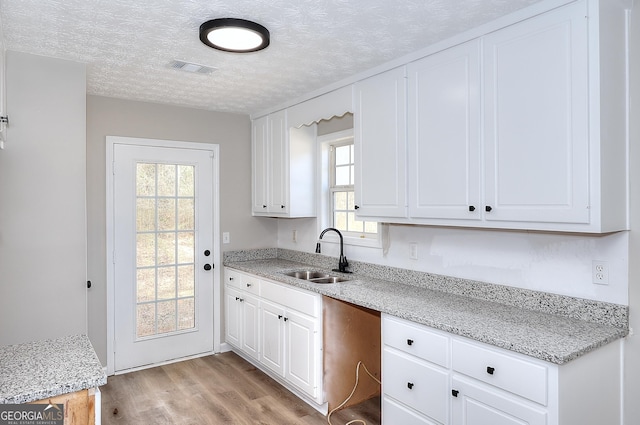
x=234, y=35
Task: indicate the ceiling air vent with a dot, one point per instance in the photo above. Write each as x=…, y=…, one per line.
x=190, y=67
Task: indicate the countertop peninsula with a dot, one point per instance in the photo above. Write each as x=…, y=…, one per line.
x=42, y=369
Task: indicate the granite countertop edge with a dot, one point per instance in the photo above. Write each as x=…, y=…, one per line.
x=545, y=336
x=48, y=368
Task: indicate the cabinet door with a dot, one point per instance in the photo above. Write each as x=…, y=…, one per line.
x=444, y=134
x=380, y=145
x=277, y=164
x=233, y=316
x=477, y=404
x=536, y=119
x=259, y=141
x=251, y=326
x=302, y=352
x=272, y=337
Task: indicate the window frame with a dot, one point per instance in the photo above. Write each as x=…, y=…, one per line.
x=326, y=190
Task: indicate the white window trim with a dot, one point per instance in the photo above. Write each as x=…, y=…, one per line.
x=324, y=203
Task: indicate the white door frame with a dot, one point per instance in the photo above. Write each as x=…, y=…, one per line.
x=217, y=304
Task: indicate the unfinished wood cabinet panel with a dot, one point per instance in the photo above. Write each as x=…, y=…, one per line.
x=351, y=334
x=79, y=406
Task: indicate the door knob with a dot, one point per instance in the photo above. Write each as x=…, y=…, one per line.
x=207, y=253
x=207, y=267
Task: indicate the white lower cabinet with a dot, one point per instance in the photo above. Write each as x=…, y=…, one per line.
x=303, y=351
x=279, y=327
x=241, y=313
x=289, y=346
x=432, y=377
x=272, y=338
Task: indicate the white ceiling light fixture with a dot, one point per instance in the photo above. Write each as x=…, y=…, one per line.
x=234, y=35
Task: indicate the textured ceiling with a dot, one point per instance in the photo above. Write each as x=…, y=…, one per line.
x=127, y=44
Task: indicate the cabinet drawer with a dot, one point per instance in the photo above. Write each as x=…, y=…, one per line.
x=416, y=340
x=394, y=413
x=509, y=372
x=304, y=302
x=251, y=284
x=415, y=383
x=233, y=278
x=476, y=403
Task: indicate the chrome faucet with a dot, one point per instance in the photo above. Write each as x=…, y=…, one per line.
x=342, y=262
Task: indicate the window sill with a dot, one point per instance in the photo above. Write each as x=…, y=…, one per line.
x=353, y=241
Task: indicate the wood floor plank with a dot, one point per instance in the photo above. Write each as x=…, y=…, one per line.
x=221, y=389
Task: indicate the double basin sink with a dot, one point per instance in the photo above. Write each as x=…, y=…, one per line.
x=315, y=276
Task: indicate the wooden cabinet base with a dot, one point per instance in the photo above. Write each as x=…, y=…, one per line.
x=351, y=334
x=79, y=407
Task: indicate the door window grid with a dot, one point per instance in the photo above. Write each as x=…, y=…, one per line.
x=342, y=192
x=165, y=248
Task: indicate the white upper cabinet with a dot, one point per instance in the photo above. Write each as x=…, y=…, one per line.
x=519, y=124
x=444, y=134
x=536, y=139
x=380, y=145
x=259, y=178
x=523, y=128
x=277, y=199
x=284, y=168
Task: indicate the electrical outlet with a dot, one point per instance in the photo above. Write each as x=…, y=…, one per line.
x=600, y=272
x=225, y=237
x=413, y=251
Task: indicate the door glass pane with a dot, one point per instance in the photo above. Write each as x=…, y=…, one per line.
x=165, y=248
x=146, y=285
x=186, y=314
x=146, y=179
x=166, y=179
x=186, y=184
x=167, y=214
x=166, y=316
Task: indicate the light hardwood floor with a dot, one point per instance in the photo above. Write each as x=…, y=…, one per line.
x=217, y=389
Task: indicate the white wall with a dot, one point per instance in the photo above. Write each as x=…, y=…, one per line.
x=117, y=117
x=556, y=263
x=42, y=201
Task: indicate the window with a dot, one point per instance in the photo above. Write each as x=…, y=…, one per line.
x=337, y=194
x=342, y=193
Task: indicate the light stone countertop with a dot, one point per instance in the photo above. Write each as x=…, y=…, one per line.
x=42, y=369
x=550, y=337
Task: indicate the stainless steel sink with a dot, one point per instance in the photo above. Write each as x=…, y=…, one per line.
x=307, y=274
x=328, y=279
x=316, y=276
